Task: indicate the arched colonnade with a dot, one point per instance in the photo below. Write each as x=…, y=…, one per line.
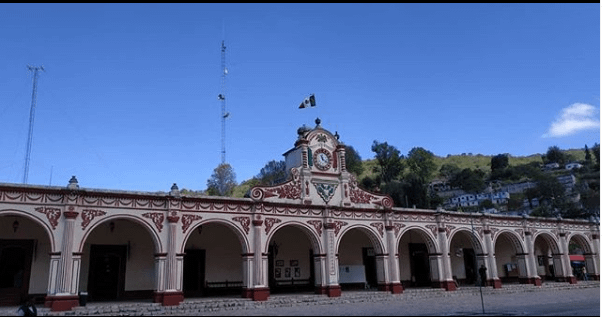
x=122, y=245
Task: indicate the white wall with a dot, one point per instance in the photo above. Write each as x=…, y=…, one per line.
x=140, y=266
x=505, y=254
x=350, y=248
x=405, y=274
x=293, y=244
x=223, y=252
x=459, y=241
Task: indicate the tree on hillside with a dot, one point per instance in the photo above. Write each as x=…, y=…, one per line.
x=415, y=188
x=274, y=172
x=422, y=163
x=389, y=161
x=222, y=181
x=550, y=190
x=469, y=180
x=449, y=170
x=555, y=155
x=499, y=162
x=596, y=151
x=588, y=156
x=353, y=161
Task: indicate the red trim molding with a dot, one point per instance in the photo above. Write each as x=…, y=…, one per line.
x=396, y=288
x=168, y=298
x=447, y=285
x=257, y=294
x=530, y=280
x=61, y=303
x=257, y=223
x=496, y=283
x=333, y=290
x=70, y=214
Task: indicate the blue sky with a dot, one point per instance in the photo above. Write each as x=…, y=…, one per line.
x=129, y=96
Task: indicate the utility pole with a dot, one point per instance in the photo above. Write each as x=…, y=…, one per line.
x=31, y=117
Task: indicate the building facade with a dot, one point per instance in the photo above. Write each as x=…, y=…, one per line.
x=317, y=231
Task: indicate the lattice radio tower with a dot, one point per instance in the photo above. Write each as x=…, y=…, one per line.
x=222, y=98
x=31, y=117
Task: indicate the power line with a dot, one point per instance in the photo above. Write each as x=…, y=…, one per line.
x=31, y=119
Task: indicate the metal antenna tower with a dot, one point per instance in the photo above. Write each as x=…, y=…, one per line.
x=31, y=117
x=222, y=98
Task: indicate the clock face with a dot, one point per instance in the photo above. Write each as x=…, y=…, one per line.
x=322, y=159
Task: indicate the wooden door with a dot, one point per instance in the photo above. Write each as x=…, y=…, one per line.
x=15, y=269
x=106, y=278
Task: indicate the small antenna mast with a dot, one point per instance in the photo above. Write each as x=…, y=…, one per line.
x=31, y=119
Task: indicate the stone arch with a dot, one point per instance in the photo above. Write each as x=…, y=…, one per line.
x=582, y=240
x=549, y=238
x=373, y=236
x=150, y=229
x=475, y=239
x=305, y=228
x=37, y=220
x=514, y=238
x=431, y=241
x=242, y=237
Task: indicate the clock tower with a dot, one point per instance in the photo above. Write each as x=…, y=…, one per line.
x=317, y=175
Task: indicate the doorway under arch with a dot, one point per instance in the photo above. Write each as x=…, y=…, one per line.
x=118, y=261
x=25, y=248
x=291, y=265
x=213, y=264
x=415, y=249
x=361, y=263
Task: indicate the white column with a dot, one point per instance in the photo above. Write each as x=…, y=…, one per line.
x=447, y=280
x=563, y=261
x=531, y=261
x=393, y=261
x=491, y=265
x=333, y=289
x=65, y=273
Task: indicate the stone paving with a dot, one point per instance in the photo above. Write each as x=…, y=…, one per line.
x=416, y=301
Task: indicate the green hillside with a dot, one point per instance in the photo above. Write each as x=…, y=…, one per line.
x=478, y=161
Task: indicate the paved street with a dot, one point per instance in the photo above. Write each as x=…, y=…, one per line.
x=577, y=302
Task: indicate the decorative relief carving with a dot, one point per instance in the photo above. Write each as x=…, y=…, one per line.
x=433, y=228
x=317, y=225
x=448, y=230
x=379, y=226
x=187, y=221
x=398, y=227
x=156, y=217
x=326, y=191
x=289, y=190
x=521, y=232
x=269, y=222
x=244, y=222
x=53, y=215
x=89, y=214
x=479, y=230
x=360, y=196
x=338, y=225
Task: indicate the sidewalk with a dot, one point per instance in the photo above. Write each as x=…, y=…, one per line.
x=239, y=306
